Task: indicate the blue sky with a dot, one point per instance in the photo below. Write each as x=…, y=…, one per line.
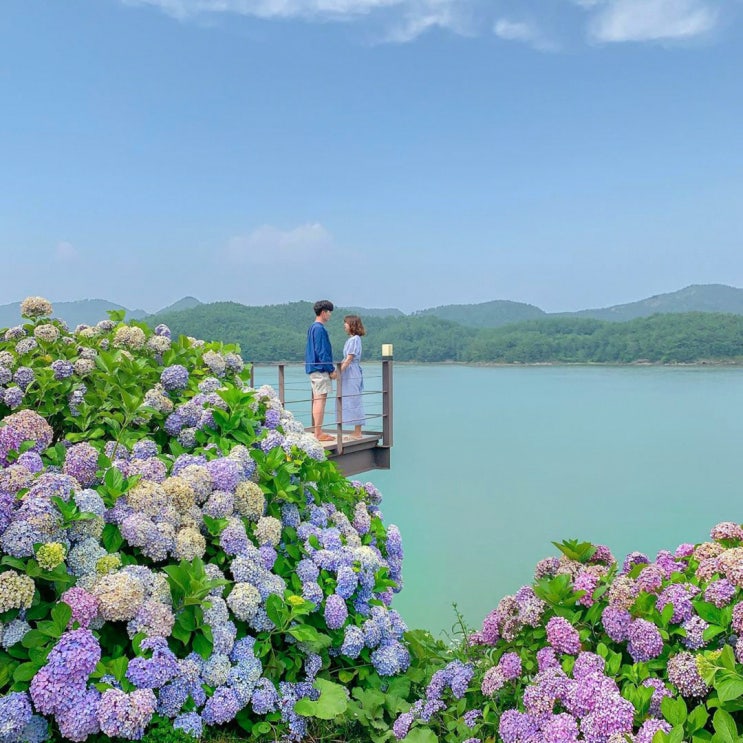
x=404, y=153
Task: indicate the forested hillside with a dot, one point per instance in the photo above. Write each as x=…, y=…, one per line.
x=278, y=332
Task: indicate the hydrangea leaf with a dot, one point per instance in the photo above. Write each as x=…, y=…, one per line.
x=333, y=701
x=725, y=728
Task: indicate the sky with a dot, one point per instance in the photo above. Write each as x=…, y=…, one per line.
x=380, y=153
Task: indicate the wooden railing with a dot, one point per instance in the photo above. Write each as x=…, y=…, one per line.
x=372, y=450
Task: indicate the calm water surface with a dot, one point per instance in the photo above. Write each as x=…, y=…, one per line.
x=491, y=464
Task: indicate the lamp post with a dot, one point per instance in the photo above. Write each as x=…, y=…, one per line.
x=387, y=394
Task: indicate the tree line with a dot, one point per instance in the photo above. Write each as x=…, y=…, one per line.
x=278, y=333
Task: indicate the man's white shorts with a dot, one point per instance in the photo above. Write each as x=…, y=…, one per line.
x=321, y=384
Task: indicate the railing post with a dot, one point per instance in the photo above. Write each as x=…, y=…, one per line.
x=282, y=387
x=339, y=409
x=387, y=394
x=252, y=375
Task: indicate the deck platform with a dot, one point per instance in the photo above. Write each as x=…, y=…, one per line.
x=357, y=455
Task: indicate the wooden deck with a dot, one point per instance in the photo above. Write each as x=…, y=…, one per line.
x=358, y=455
x=372, y=450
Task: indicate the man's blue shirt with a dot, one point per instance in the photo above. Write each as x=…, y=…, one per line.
x=318, y=355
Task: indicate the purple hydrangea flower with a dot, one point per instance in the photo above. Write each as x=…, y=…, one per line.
x=563, y=636
x=225, y=473
x=660, y=692
x=221, y=707
x=561, y=728
x=401, y=726
x=13, y=397
x=649, y=728
x=336, y=611
x=684, y=675
x=24, y=376
x=174, y=377
x=645, y=641
x=680, y=596
x=190, y=723
x=81, y=462
x=124, y=715
x=353, y=641
x=586, y=664
x=632, y=559
x=510, y=665
x=720, y=592
x=15, y=714
x=515, y=726
x=390, y=659
x=694, y=628
x=587, y=582
x=62, y=369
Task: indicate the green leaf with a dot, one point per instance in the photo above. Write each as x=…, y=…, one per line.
x=34, y=639
x=118, y=666
x=215, y=526
x=307, y=633
x=667, y=613
x=674, y=710
x=61, y=615
x=333, y=701
x=729, y=686
x=181, y=634
x=276, y=610
x=25, y=672
x=575, y=550
x=711, y=632
x=697, y=718
x=724, y=726
x=421, y=735
x=727, y=658
x=111, y=537
x=709, y=612
x=202, y=645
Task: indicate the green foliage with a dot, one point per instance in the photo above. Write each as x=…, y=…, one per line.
x=277, y=333
x=125, y=464
x=162, y=731
x=683, y=678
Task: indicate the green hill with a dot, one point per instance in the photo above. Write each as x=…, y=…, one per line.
x=486, y=314
x=186, y=303
x=80, y=312
x=694, y=298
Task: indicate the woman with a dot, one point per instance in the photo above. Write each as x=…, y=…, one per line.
x=352, y=378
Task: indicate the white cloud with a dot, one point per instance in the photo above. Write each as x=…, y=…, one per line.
x=66, y=252
x=522, y=31
x=652, y=20
x=404, y=20
x=401, y=21
x=416, y=24
x=282, y=8
x=268, y=245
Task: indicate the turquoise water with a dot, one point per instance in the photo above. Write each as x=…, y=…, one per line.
x=491, y=464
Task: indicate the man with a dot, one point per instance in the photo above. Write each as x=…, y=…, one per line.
x=318, y=363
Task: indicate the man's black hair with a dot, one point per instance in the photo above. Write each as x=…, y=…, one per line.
x=322, y=305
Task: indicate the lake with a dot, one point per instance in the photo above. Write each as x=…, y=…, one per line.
x=491, y=464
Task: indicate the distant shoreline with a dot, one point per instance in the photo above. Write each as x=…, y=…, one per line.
x=517, y=364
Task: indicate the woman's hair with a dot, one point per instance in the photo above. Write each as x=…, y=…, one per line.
x=355, y=326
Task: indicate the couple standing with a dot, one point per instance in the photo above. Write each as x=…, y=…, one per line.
x=318, y=363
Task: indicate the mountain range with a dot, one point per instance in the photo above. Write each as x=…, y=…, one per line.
x=493, y=314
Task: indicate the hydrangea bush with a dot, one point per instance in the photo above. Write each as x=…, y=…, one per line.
x=174, y=548
x=646, y=650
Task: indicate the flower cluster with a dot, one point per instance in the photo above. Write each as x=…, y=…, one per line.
x=174, y=567
x=591, y=650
